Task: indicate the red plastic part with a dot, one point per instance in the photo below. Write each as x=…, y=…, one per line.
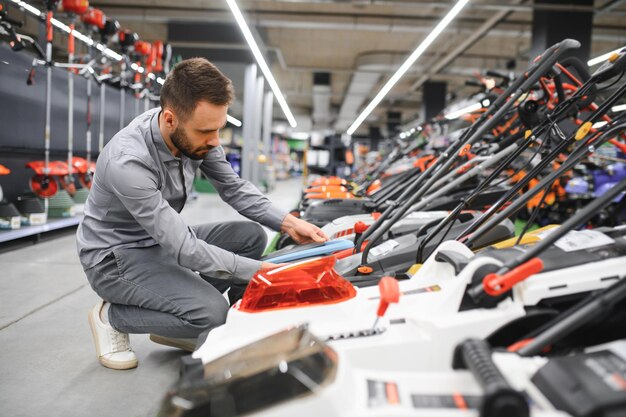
x=94, y=17
x=49, y=27
x=518, y=345
x=143, y=47
x=44, y=186
x=495, y=284
x=71, y=40
x=79, y=164
x=329, y=195
x=158, y=48
x=389, y=293
x=4, y=170
x=329, y=181
x=302, y=284
x=376, y=215
x=55, y=168
x=360, y=227
x=75, y=6
x=374, y=187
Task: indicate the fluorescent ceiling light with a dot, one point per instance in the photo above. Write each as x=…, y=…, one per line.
x=27, y=7
x=261, y=61
x=464, y=110
x=621, y=107
x=233, y=121
x=407, y=64
x=603, y=58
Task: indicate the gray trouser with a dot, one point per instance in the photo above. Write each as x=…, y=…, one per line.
x=150, y=293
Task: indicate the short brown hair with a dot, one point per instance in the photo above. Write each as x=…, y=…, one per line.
x=194, y=80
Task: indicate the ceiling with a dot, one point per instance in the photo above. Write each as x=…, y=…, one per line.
x=302, y=37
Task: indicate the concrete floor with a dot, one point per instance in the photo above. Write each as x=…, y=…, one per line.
x=47, y=361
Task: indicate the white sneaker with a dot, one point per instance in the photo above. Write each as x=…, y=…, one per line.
x=112, y=347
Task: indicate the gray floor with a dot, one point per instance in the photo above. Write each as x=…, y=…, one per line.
x=47, y=360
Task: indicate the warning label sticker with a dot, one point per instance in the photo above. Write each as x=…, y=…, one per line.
x=382, y=393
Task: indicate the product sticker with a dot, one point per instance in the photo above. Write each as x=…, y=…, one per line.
x=610, y=368
x=383, y=248
x=583, y=239
x=382, y=393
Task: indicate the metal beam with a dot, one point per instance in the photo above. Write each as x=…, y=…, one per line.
x=466, y=44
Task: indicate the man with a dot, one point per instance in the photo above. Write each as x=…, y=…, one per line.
x=156, y=274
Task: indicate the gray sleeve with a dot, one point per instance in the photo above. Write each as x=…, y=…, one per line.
x=238, y=193
x=136, y=185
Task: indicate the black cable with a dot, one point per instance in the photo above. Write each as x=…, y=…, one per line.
x=534, y=214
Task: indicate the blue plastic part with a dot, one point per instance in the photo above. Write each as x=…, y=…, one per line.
x=325, y=248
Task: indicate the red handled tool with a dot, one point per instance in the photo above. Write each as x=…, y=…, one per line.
x=389, y=293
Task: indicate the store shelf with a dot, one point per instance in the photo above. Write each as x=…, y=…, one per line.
x=27, y=231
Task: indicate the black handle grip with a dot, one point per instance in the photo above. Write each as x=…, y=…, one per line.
x=582, y=70
x=474, y=83
x=496, y=74
x=457, y=260
x=609, y=70
x=499, y=398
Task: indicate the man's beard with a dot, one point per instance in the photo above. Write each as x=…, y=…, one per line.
x=181, y=141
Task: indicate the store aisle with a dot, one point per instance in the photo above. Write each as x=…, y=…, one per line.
x=48, y=362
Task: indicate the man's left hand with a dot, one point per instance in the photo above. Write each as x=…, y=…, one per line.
x=301, y=231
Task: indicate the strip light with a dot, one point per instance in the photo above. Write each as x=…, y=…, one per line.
x=616, y=109
x=233, y=121
x=261, y=61
x=602, y=58
x=407, y=64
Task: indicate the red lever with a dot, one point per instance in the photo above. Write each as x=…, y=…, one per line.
x=495, y=284
x=389, y=293
x=360, y=227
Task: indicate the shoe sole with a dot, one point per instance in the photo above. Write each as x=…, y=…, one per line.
x=166, y=341
x=119, y=365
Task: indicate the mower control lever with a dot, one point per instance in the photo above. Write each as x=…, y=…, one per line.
x=389, y=293
x=497, y=284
